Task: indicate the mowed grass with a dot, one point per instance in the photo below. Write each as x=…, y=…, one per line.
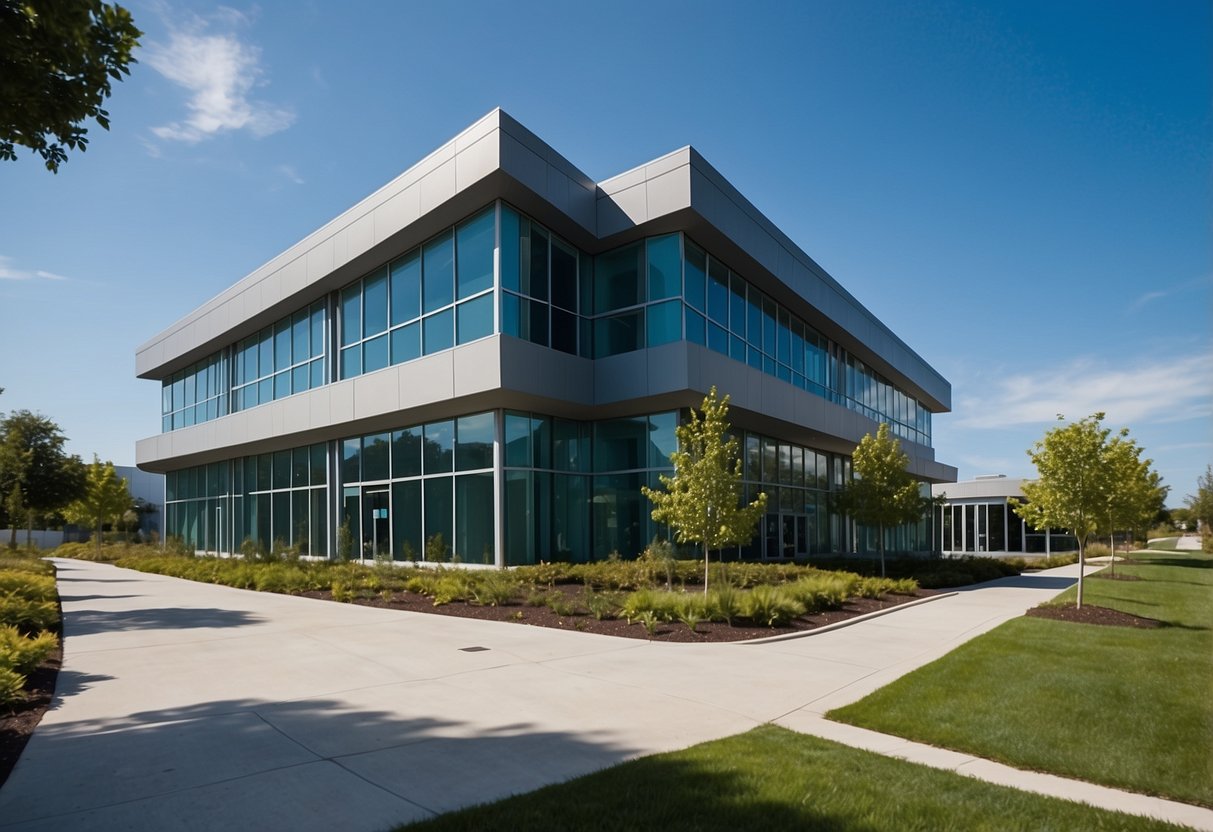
x=1124, y=707
x=774, y=779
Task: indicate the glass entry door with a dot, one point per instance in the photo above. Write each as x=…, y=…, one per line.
x=376, y=522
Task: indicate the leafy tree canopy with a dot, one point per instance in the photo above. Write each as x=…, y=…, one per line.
x=1200, y=504
x=702, y=501
x=105, y=498
x=58, y=59
x=883, y=493
x=37, y=476
x=1088, y=479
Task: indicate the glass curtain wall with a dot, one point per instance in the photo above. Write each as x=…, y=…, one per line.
x=423, y=492
x=797, y=482
x=260, y=503
x=280, y=360
x=196, y=394
x=431, y=298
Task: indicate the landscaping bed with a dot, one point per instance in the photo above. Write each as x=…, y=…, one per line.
x=672, y=631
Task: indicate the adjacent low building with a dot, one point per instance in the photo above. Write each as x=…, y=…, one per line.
x=488, y=357
x=975, y=517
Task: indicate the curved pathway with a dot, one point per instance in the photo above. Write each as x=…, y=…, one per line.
x=183, y=705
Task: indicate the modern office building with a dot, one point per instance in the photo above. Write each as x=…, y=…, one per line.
x=495, y=349
x=975, y=518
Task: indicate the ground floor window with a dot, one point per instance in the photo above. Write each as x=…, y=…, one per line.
x=507, y=487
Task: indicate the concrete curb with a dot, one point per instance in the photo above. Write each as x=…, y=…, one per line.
x=838, y=625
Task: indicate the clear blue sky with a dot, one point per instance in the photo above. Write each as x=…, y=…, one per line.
x=1020, y=190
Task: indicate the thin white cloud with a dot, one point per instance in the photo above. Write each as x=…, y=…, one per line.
x=1174, y=289
x=1161, y=390
x=291, y=174
x=9, y=272
x=220, y=71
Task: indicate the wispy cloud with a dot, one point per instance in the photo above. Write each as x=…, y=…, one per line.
x=290, y=174
x=1160, y=390
x=220, y=70
x=9, y=272
x=1167, y=291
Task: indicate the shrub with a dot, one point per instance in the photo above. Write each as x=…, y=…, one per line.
x=770, y=606
x=11, y=685
x=602, y=605
x=724, y=603
x=561, y=604
x=26, y=615
x=493, y=589
x=691, y=610
x=650, y=620
x=24, y=653
x=436, y=550
x=27, y=585
x=1098, y=550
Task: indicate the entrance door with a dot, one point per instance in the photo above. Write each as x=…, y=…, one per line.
x=376, y=522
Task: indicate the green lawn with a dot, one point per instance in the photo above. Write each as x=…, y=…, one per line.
x=773, y=779
x=1124, y=707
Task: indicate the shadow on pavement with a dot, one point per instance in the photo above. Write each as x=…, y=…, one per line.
x=87, y=622
x=1024, y=582
x=141, y=763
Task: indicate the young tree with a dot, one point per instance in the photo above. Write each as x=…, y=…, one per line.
x=1135, y=493
x=1075, y=465
x=36, y=475
x=702, y=501
x=105, y=499
x=57, y=59
x=883, y=493
x=1200, y=504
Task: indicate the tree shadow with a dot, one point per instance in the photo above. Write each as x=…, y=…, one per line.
x=1194, y=562
x=88, y=622
x=314, y=763
x=1023, y=582
x=66, y=598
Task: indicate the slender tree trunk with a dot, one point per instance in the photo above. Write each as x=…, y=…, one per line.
x=1082, y=561
x=705, y=568
x=99, y=524
x=1112, y=546
x=880, y=547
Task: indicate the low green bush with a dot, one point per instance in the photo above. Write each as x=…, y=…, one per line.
x=770, y=606
x=1098, y=550
x=23, y=653
x=12, y=686
x=26, y=615
x=28, y=585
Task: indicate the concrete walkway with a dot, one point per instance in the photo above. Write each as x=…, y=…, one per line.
x=190, y=706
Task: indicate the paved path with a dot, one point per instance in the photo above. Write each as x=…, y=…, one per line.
x=189, y=706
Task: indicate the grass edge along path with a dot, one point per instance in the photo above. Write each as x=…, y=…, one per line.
x=775, y=779
x=1121, y=707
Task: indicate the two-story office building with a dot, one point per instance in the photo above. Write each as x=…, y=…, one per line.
x=496, y=349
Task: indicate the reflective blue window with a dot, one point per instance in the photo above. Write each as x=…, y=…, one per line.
x=474, y=442
x=695, y=327
x=300, y=350
x=438, y=331
x=475, y=241
x=406, y=288
x=351, y=315
x=509, y=248
x=564, y=331
x=474, y=318
x=533, y=262
x=665, y=266
x=664, y=323
x=619, y=333
x=718, y=292
x=437, y=273
x=375, y=354
x=718, y=339
x=439, y=447
x=317, y=329
x=564, y=276
x=511, y=318
x=695, y=279
x=406, y=452
x=406, y=343
x=374, y=303
x=351, y=362
x=618, y=278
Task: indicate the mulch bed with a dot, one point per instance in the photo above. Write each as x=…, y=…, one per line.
x=1093, y=615
x=1120, y=576
x=705, y=632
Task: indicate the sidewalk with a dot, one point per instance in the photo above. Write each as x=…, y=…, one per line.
x=191, y=706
